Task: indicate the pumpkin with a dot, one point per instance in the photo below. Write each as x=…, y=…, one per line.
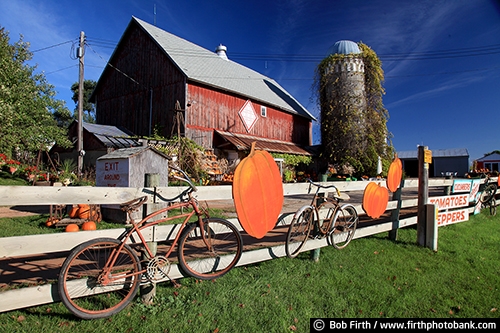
x=89, y=225
x=72, y=227
x=51, y=221
x=73, y=212
x=394, y=174
x=83, y=211
x=375, y=199
x=257, y=192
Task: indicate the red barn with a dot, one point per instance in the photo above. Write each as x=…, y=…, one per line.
x=156, y=82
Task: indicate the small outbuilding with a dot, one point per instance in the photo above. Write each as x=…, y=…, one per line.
x=445, y=162
x=489, y=161
x=130, y=167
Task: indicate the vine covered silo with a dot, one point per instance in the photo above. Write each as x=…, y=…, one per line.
x=353, y=128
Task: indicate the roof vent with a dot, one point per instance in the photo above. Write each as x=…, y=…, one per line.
x=221, y=51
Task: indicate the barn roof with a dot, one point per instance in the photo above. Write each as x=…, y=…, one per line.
x=201, y=65
x=112, y=136
x=455, y=152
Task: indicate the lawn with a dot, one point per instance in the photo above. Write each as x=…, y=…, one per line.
x=372, y=278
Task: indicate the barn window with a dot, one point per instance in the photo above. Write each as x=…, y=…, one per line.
x=263, y=111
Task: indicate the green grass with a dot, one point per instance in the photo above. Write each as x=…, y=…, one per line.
x=373, y=277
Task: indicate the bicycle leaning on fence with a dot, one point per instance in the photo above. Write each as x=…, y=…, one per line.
x=324, y=217
x=100, y=277
x=488, y=192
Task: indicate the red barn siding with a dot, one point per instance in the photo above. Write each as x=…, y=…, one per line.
x=123, y=95
x=212, y=109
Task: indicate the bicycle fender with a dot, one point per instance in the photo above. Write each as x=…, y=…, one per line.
x=302, y=209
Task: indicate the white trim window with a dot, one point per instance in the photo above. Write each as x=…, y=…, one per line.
x=263, y=111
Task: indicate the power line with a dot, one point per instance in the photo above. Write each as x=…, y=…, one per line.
x=55, y=45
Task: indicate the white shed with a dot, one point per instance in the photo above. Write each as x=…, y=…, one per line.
x=128, y=167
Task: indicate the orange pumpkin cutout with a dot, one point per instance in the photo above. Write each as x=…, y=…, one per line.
x=394, y=174
x=257, y=192
x=72, y=227
x=89, y=225
x=375, y=199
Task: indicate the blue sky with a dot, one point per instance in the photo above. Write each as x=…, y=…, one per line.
x=441, y=58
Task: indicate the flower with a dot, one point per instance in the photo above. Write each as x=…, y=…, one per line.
x=3, y=159
x=13, y=163
x=43, y=177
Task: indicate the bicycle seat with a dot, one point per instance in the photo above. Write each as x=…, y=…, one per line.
x=133, y=204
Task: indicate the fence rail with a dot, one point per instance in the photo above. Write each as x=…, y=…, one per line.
x=25, y=246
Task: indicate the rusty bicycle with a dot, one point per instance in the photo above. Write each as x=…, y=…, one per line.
x=324, y=217
x=100, y=277
x=488, y=191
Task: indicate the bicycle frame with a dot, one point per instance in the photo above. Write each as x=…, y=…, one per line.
x=314, y=206
x=191, y=202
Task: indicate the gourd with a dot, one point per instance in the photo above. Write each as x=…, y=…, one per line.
x=89, y=225
x=72, y=227
x=394, y=174
x=257, y=192
x=73, y=212
x=375, y=199
x=83, y=211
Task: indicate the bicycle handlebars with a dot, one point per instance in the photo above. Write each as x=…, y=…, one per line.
x=186, y=177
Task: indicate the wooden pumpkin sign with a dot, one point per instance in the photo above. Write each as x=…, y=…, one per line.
x=375, y=199
x=257, y=192
x=394, y=174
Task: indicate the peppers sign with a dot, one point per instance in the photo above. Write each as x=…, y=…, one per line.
x=444, y=203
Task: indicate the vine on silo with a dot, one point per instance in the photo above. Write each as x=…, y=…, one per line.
x=353, y=125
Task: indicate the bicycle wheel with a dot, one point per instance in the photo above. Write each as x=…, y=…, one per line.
x=80, y=279
x=206, y=263
x=493, y=207
x=298, y=232
x=344, y=226
x=488, y=193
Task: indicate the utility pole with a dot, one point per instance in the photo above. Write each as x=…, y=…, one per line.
x=81, y=152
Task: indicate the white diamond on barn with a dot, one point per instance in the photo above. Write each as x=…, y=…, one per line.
x=248, y=115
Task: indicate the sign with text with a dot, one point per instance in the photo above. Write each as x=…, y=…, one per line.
x=112, y=173
x=462, y=185
x=427, y=156
x=448, y=202
x=454, y=216
x=446, y=206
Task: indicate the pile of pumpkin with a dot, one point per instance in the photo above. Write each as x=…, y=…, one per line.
x=89, y=215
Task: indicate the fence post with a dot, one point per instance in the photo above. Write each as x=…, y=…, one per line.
x=423, y=194
x=431, y=227
x=148, y=291
x=396, y=196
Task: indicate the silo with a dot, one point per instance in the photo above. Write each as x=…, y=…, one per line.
x=343, y=101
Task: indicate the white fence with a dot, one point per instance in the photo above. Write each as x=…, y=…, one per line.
x=25, y=246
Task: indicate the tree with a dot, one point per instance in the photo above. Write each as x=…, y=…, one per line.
x=88, y=108
x=27, y=103
x=353, y=118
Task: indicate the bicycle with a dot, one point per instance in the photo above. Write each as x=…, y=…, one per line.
x=487, y=197
x=100, y=277
x=324, y=217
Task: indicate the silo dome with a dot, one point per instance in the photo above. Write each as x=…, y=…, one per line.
x=344, y=47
